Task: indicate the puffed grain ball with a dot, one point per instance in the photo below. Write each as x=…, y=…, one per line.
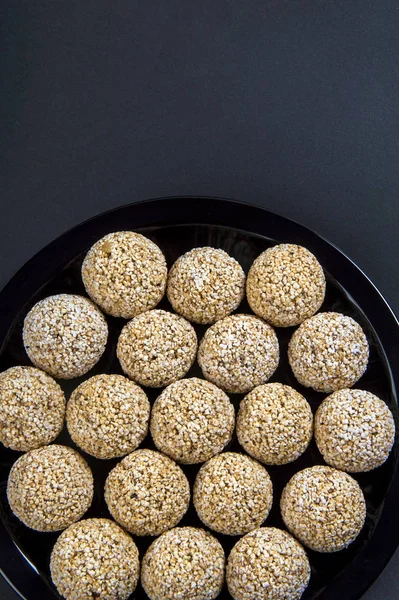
x=354, y=430
x=50, y=488
x=185, y=563
x=328, y=352
x=232, y=493
x=238, y=353
x=267, y=564
x=32, y=408
x=192, y=420
x=274, y=424
x=147, y=493
x=157, y=348
x=324, y=508
x=65, y=335
x=285, y=285
x=95, y=558
x=108, y=416
x=125, y=274
x=205, y=285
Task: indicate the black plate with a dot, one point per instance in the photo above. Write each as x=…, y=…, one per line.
x=178, y=224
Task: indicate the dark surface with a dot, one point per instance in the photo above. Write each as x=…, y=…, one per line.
x=288, y=104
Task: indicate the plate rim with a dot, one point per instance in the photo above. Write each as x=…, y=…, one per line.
x=372, y=559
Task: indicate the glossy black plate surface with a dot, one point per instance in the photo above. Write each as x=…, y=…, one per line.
x=177, y=225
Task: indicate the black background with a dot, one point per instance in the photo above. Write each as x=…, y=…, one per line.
x=293, y=105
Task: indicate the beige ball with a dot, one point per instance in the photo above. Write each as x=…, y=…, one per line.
x=32, y=408
x=205, y=285
x=108, y=416
x=65, y=335
x=50, y=488
x=186, y=563
x=238, y=353
x=125, y=274
x=286, y=285
x=274, y=424
x=324, y=508
x=157, y=348
x=232, y=493
x=95, y=558
x=267, y=564
x=328, y=352
x=354, y=430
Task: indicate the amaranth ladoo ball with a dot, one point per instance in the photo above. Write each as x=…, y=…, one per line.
x=147, y=493
x=328, y=352
x=354, y=430
x=267, y=564
x=232, y=493
x=125, y=274
x=238, y=353
x=285, y=285
x=50, y=488
x=205, y=285
x=192, y=420
x=65, y=335
x=324, y=508
x=274, y=424
x=184, y=563
x=32, y=408
x=95, y=558
x=108, y=416
x=157, y=348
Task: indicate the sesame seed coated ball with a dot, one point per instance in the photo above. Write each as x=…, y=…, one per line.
x=192, y=420
x=65, y=335
x=267, y=564
x=328, y=352
x=95, y=558
x=147, y=493
x=205, y=285
x=324, y=508
x=274, y=424
x=185, y=563
x=156, y=348
x=239, y=353
x=285, y=285
x=354, y=430
x=32, y=408
x=108, y=415
x=125, y=274
x=232, y=493
x=50, y=488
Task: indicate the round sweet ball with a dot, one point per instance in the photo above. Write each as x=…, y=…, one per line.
x=95, y=558
x=267, y=564
x=185, y=562
x=65, y=335
x=32, y=408
x=147, y=493
x=328, y=352
x=354, y=430
x=192, y=420
x=157, y=348
x=205, y=285
x=238, y=353
x=274, y=424
x=232, y=493
x=286, y=285
x=50, y=488
x=125, y=274
x=324, y=508
x=108, y=416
